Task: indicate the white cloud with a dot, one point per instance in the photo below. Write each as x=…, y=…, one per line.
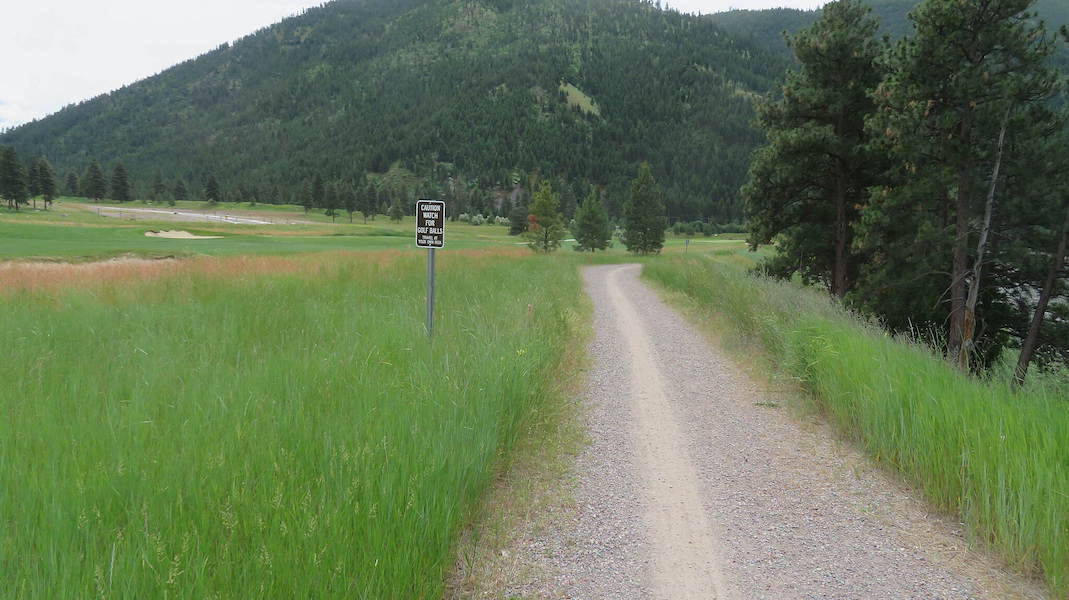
x=58, y=52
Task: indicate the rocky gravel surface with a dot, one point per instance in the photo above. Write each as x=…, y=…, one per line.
x=699, y=484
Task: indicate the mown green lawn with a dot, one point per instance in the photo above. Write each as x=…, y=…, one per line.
x=69, y=234
x=71, y=231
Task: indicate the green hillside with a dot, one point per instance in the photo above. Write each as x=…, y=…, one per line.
x=477, y=92
x=765, y=27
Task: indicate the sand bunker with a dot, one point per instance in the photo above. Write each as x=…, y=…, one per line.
x=180, y=235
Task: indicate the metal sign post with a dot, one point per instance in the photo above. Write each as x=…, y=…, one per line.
x=430, y=292
x=430, y=234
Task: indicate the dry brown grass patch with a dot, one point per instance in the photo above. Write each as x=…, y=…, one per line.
x=50, y=276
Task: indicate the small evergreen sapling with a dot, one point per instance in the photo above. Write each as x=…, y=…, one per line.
x=94, y=186
x=181, y=193
x=46, y=181
x=644, y=215
x=120, y=184
x=397, y=214
x=212, y=191
x=158, y=189
x=592, y=231
x=546, y=225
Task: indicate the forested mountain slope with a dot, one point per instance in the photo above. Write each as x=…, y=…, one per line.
x=484, y=92
x=765, y=27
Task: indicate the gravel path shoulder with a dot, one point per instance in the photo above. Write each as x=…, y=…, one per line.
x=696, y=485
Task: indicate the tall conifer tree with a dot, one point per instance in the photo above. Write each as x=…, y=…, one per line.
x=212, y=191
x=592, y=229
x=644, y=214
x=46, y=181
x=181, y=192
x=332, y=200
x=318, y=192
x=159, y=190
x=368, y=203
x=807, y=185
x=397, y=214
x=546, y=224
x=94, y=186
x=33, y=180
x=120, y=184
x=971, y=78
x=13, y=184
x=350, y=199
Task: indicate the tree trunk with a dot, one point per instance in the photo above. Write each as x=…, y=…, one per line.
x=838, y=285
x=969, y=333
x=1028, y=348
x=960, y=267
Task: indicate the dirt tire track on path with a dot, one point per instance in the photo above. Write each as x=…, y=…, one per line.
x=784, y=510
x=684, y=552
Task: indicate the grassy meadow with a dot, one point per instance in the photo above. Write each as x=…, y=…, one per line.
x=263, y=427
x=997, y=458
x=265, y=418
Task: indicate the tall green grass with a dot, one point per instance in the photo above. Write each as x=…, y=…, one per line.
x=997, y=458
x=292, y=435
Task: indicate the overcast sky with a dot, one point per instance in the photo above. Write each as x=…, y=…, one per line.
x=58, y=52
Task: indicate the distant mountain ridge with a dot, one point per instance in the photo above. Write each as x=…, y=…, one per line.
x=468, y=97
x=765, y=27
x=486, y=91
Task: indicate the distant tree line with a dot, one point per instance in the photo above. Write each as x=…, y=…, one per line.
x=21, y=184
x=923, y=181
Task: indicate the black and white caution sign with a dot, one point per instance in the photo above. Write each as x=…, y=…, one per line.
x=430, y=224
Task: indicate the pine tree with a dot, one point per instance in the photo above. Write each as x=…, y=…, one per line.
x=120, y=184
x=72, y=185
x=973, y=76
x=546, y=225
x=592, y=229
x=94, y=187
x=350, y=199
x=13, y=185
x=1027, y=260
x=331, y=200
x=644, y=215
x=397, y=214
x=158, y=188
x=368, y=203
x=518, y=219
x=318, y=192
x=1048, y=289
x=807, y=186
x=181, y=193
x=307, y=197
x=46, y=180
x=212, y=191
x=568, y=201
x=33, y=181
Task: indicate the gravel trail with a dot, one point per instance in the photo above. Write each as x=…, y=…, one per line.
x=697, y=486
